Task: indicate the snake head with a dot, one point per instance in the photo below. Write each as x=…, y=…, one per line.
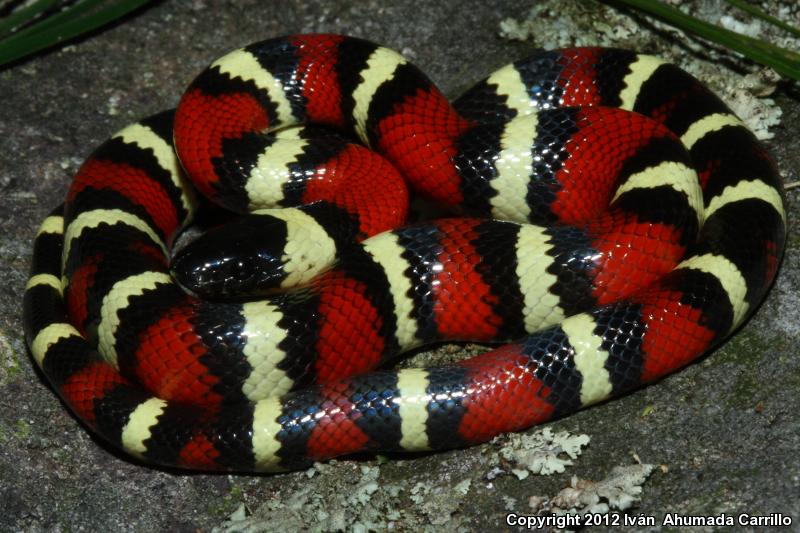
x=238, y=260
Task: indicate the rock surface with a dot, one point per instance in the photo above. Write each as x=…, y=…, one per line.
x=725, y=431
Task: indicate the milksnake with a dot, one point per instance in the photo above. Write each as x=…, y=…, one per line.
x=610, y=249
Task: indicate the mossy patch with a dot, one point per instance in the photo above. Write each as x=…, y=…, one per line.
x=11, y=366
x=749, y=355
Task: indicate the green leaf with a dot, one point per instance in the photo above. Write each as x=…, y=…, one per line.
x=77, y=19
x=24, y=15
x=783, y=61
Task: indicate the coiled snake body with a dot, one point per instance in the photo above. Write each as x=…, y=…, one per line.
x=627, y=223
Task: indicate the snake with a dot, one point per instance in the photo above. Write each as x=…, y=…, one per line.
x=601, y=218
